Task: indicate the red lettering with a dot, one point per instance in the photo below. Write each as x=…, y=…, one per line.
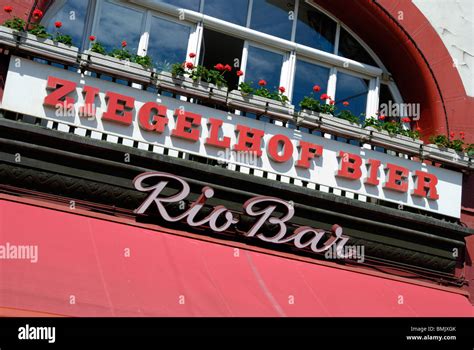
x=118, y=108
x=372, y=169
x=158, y=117
x=308, y=151
x=186, y=123
x=58, y=97
x=273, y=146
x=396, y=178
x=349, y=166
x=425, y=183
x=213, y=139
x=90, y=93
x=249, y=140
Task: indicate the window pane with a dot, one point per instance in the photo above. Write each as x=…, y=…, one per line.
x=118, y=23
x=308, y=75
x=234, y=11
x=185, y=4
x=73, y=27
x=221, y=48
x=272, y=17
x=315, y=29
x=168, y=42
x=385, y=98
x=349, y=47
x=353, y=90
x=263, y=64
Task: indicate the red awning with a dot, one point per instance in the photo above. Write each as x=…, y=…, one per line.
x=93, y=267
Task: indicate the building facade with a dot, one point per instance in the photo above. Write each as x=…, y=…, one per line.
x=252, y=158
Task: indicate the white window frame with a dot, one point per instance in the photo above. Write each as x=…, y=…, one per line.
x=290, y=50
x=146, y=13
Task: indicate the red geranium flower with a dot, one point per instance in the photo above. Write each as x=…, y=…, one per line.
x=189, y=65
x=219, y=66
x=192, y=55
x=381, y=117
x=406, y=120
x=92, y=38
x=461, y=133
x=282, y=89
x=345, y=103
x=316, y=88
x=8, y=9
x=418, y=129
x=58, y=24
x=324, y=96
x=124, y=43
x=37, y=14
x=262, y=82
x=227, y=68
x=332, y=102
x=239, y=73
x=451, y=134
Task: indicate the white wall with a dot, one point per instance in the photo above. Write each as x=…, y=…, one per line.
x=454, y=22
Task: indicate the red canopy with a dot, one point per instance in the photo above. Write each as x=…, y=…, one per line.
x=93, y=267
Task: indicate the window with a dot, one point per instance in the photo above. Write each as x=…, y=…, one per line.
x=385, y=95
x=118, y=23
x=315, y=29
x=167, y=38
x=168, y=42
x=273, y=17
x=349, y=47
x=221, y=48
x=231, y=11
x=72, y=14
x=353, y=90
x=185, y=4
x=308, y=75
x=263, y=64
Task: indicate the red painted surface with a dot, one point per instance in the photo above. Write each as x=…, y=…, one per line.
x=22, y=8
x=85, y=258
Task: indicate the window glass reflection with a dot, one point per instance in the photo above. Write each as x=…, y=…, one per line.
x=353, y=90
x=119, y=23
x=349, y=47
x=234, y=11
x=168, y=43
x=272, y=17
x=72, y=25
x=306, y=77
x=263, y=64
x=315, y=29
x=185, y=4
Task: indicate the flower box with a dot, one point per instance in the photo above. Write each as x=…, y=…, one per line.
x=9, y=37
x=260, y=105
x=341, y=127
x=308, y=119
x=41, y=47
x=117, y=68
x=187, y=87
x=401, y=143
x=446, y=155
